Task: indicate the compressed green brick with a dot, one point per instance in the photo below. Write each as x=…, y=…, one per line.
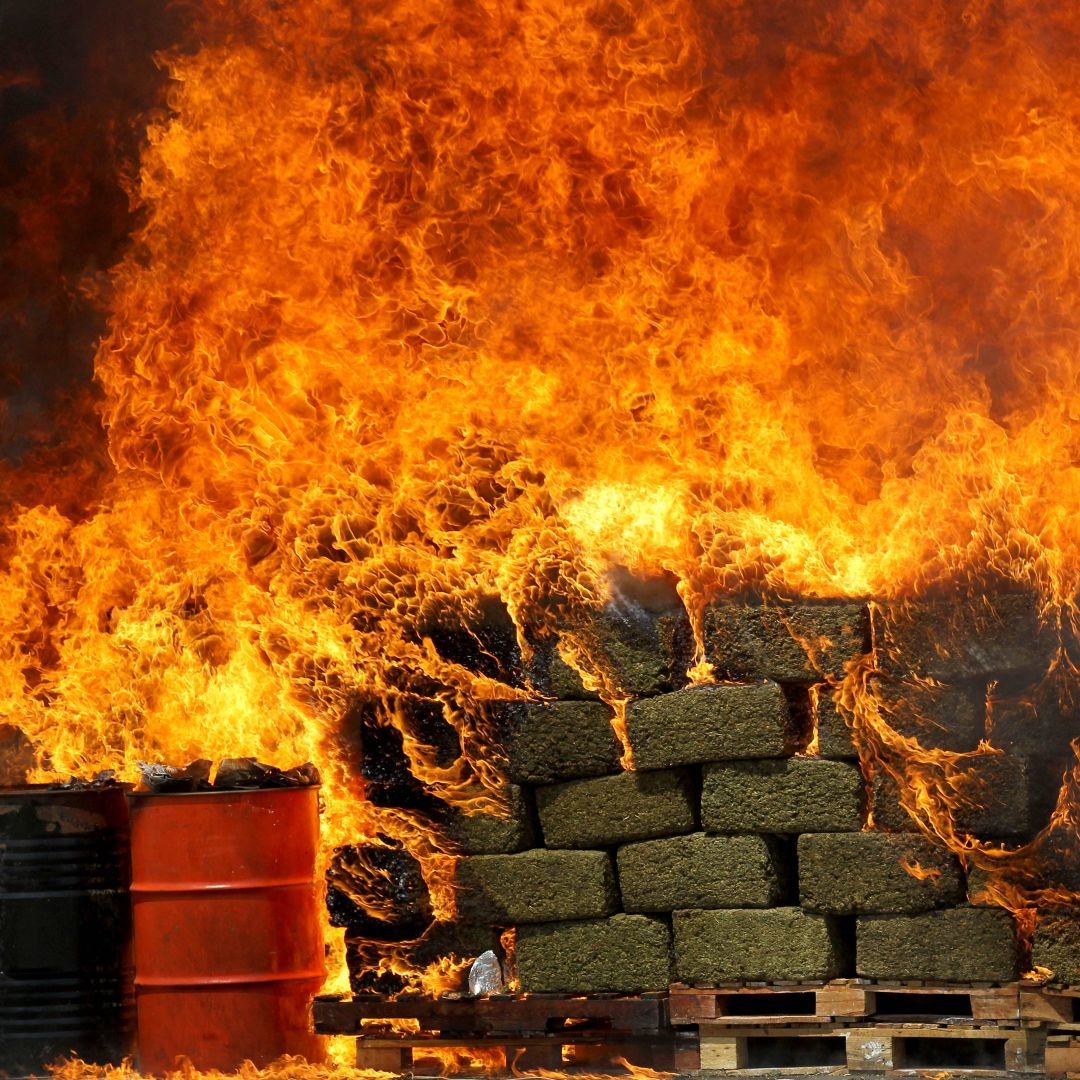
x=962, y=944
x=833, y=733
x=615, y=809
x=773, y=945
x=561, y=741
x=997, y=794
x=864, y=872
x=939, y=716
x=1056, y=944
x=708, y=723
x=555, y=678
x=962, y=637
x=701, y=871
x=788, y=642
x=792, y=795
x=536, y=886
x=494, y=834
x=623, y=954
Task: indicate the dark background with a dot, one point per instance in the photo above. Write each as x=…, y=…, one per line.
x=78, y=79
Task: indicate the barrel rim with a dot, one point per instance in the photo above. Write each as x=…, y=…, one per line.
x=221, y=791
x=51, y=790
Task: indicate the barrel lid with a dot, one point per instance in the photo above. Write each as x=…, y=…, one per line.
x=52, y=790
x=223, y=791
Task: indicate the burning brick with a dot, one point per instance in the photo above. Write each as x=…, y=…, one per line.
x=536, y=886
x=774, y=945
x=562, y=741
x=962, y=944
x=491, y=834
x=997, y=794
x=377, y=892
x=554, y=677
x=615, y=809
x=1056, y=944
x=485, y=642
x=792, y=795
x=708, y=723
x=641, y=641
x=951, y=639
x=701, y=871
x=939, y=716
x=786, y=642
x=623, y=954
x=863, y=872
x=456, y=941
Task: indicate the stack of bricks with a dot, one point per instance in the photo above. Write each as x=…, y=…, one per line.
x=729, y=854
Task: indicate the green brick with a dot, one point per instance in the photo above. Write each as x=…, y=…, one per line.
x=561, y=741
x=1056, y=944
x=777, y=944
x=863, y=872
x=834, y=736
x=792, y=795
x=536, y=886
x=796, y=642
x=962, y=944
x=710, y=723
x=998, y=793
x=962, y=637
x=494, y=834
x=614, y=809
x=624, y=954
x=701, y=871
x=940, y=716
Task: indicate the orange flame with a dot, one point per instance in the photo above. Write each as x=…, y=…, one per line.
x=436, y=301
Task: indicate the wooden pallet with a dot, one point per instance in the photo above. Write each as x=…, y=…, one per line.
x=815, y=1003
x=499, y=1014
x=945, y=1047
x=1058, y=1005
x=499, y=1055
x=531, y=1030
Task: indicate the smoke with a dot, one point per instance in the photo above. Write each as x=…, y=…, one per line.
x=76, y=84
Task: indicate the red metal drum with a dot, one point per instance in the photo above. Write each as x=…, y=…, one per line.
x=228, y=926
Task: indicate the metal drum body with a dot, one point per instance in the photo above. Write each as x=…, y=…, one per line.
x=65, y=927
x=228, y=926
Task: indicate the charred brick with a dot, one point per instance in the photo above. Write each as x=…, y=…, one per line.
x=793, y=795
x=377, y=892
x=708, y=723
x=494, y=834
x=867, y=872
x=484, y=641
x=455, y=941
x=536, y=886
x=562, y=741
x=962, y=637
x=615, y=809
x=778, y=944
x=624, y=954
x=962, y=944
x=787, y=642
x=552, y=676
x=701, y=871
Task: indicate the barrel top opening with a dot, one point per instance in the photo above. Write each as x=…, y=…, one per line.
x=223, y=791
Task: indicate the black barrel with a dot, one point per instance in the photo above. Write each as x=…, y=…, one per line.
x=66, y=979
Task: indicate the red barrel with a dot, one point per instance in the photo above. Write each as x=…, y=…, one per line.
x=228, y=926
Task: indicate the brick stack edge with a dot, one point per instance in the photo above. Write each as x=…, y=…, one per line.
x=730, y=855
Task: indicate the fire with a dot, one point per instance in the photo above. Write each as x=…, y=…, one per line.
x=429, y=302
